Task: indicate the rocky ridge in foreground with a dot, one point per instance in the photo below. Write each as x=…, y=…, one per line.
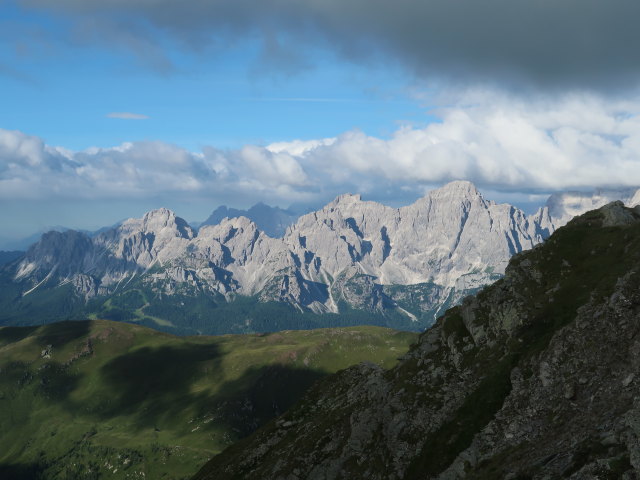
x=535, y=377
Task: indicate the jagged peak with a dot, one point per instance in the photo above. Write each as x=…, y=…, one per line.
x=345, y=199
x=53, y=238
x=262, y=207
x=162, y=212
x=156, y=221
x=457, y=188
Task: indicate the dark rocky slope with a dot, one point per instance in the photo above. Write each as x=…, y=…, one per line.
x=536, y=377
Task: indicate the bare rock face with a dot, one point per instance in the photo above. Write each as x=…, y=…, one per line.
x=412, y=262
x=535, y=377
x=449, y=234
x=58, y=253
x=158, y=236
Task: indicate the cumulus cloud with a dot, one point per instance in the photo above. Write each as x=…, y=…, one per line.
x=501, y=143
x=127, y=116
x=551, y=43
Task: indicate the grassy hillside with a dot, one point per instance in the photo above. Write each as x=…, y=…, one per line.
x=101, y=399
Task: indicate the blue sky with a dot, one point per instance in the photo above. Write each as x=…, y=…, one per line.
x=111, y=108
x=64, y=92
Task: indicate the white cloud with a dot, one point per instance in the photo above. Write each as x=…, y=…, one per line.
x=501, y=143
x=127, y=116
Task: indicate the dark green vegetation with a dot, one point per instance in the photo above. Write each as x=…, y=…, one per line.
x=529, y=379
x=101, y=399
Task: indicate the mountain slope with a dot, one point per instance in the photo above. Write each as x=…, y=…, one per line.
x=112, y=400
x=534, y=378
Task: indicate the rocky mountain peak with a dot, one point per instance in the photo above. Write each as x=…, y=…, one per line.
x=615, y=214
x=229, y=227
x=161, y=213
x=344, y=200
x=163, y=220
x=62, y=252
x=457, y=188
x=450, y=196
x=261, y=207
x=235, y=233
x=240, y=222
x=55, y=244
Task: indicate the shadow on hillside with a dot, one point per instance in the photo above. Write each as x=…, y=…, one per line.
x=155, y=383
x=262, y=394
x=59, y=334
x=14, y=334
x=54, y=382
x=22, y=471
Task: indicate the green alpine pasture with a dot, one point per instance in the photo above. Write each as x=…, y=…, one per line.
x=101, y=399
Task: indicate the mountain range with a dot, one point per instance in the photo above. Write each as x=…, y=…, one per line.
x=351, y=262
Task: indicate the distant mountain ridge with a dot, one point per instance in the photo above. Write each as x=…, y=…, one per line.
x=23, y=244
x=273, y=221
x=404, y=265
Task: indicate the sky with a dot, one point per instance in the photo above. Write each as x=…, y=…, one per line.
x=111, y=108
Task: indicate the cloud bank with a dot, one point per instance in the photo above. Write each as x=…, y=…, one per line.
x=499, y=142
x=550, y=43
